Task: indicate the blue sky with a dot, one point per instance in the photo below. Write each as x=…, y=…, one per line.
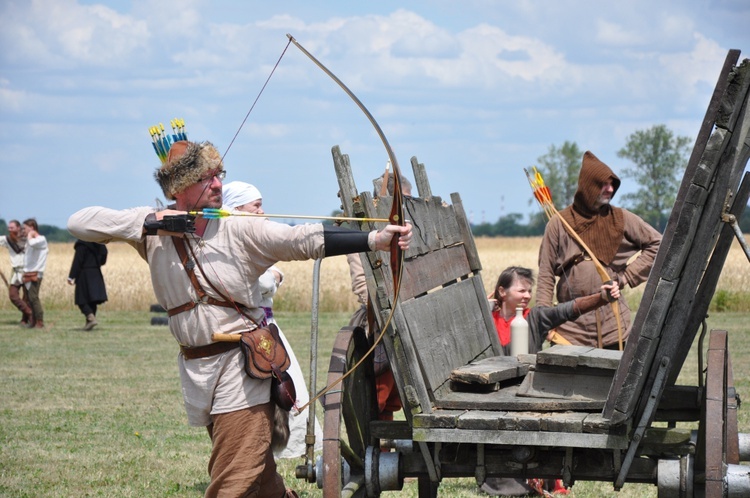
x=475, y=89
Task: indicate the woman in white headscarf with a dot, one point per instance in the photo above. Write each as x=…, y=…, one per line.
x=247, y=198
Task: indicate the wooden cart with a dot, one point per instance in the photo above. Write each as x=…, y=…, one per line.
x=569, y=412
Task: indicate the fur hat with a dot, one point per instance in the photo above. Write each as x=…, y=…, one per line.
x=239, y=193
x=186, y=163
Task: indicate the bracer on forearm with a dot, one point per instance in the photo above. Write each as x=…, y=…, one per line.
x=183, y=223
x=588, y=303
x=340, y=240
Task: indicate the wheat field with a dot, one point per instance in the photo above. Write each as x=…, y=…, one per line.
x=129, y=283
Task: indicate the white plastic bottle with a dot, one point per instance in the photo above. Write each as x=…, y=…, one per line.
x=519, y=334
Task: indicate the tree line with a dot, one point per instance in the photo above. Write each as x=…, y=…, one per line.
x=658, y=159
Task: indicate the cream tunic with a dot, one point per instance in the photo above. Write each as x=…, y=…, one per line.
x=233, y=252
x=16, y=260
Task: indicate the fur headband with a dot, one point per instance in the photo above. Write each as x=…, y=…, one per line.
x=186, y=163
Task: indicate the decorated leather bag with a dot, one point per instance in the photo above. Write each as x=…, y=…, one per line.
x=264, y=352
x=266, y=357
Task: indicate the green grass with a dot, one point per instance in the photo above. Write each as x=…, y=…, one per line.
x=100, y=413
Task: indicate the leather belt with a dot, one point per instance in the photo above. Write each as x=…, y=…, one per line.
x=192, y=304
x=578, y=259
x=208, y=350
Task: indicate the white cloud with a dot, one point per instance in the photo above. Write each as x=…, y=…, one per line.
x=12, y=101
x=65, y=33
x=613, y=34
x=488, y=85
x=696, y=67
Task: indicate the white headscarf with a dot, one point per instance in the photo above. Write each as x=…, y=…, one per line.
x=239, y=193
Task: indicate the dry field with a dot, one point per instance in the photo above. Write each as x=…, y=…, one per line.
x=129, y=283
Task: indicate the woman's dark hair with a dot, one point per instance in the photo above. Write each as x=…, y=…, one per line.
x=32, y=223
x=505, y=279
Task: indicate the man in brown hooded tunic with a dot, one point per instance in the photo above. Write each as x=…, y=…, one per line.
x=614, y=235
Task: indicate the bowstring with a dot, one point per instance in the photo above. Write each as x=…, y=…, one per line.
x=256, y=99
x=206, y=260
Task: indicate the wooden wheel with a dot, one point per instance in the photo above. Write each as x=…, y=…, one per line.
x=348, y=410
x=719, y=441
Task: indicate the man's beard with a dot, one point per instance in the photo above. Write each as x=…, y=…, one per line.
x=602, y=202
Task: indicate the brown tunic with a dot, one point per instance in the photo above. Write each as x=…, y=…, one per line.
x=557, y=256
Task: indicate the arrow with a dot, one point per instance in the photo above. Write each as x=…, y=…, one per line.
x=214, y=213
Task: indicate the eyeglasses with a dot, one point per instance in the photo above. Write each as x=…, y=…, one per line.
x=207, y=179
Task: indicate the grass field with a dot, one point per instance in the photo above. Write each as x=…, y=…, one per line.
x=100, y=413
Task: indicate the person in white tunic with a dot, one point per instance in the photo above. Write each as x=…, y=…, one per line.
x=215, y=288
x=247, y=198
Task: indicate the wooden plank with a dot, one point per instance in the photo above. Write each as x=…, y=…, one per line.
x=420, y=178
x=390, y=429
x=664, y=251
x=638, y=359
x=596, y=423
x=521, y=421
x=728, y=114
x=579, y=356
x=347, y=188
x=632, y=384
x=438, y=419
x=446, y=224
x=522, y=438
x=568, y=422
x=433, y=270
x=407, y=372
x=718, y=257
x=629, y=378
x=568, y=386
x=677, y=332
x=562, y=356
x=465, y=229
x=682, y=234
x=425, y=230
x=506, y=399
x=606, y=359
x=713, y=446
x=656, y=314
x=704, y=134
x=490, y=370
x=489, y=322
x=480, y=420
x=446, y=336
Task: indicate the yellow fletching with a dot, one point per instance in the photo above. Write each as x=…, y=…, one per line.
x=539, y=179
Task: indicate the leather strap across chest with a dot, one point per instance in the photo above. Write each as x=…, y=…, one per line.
x=189, y=265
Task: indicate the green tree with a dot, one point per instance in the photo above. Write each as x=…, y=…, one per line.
x=560, y=167
x=659, y=160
